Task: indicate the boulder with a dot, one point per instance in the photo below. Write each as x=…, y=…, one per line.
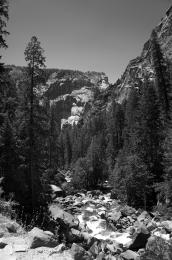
x=102, y=214
x=101, y=256
x=95, y=249
x=129, y=255
x=128, y=211
x=39, y=238
x=13, y=227
x=151, y=226
x=2, y=243
x=74, y=236
x=115, y=215
x=59, y=214
x=123, y=239
x=111, y=248
x=88, y=239
x=79, y=253
x=140, y=238
x=167, y=225
x=157, y=246
x=144, y=217
x=59, y=249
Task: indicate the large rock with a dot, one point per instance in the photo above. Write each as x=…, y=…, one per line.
x=39, y=238
x=88, y=239
x=95, y=249
x=115, y=215
x=59, y=214
x=128, y=211
x=144, y=217
x=13, y=227
x=158, y=248
x=101, y=256
x=167, y=225
x=140, y=238
x=74, y=236
x=8, y=226
x=79, y=253
x=129, y=255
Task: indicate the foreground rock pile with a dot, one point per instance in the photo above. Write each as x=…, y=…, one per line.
x=91, y=226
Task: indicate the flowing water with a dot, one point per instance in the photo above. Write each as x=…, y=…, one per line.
x=91, y=220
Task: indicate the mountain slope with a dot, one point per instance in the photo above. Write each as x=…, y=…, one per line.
x=143, y=65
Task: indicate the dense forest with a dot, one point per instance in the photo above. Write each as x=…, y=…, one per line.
x=128, y=144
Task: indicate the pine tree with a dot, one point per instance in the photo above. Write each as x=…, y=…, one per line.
x=115, y=125
x=3, y=32
x=151, y=132
x=168, y=166
x=131, y=180
x=130, y=133
x=34, y=56
x=8, y=156
x=68, y=147
x=3, y=22
x=53, y=140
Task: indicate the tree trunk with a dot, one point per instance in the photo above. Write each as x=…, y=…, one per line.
x=31, y=139
x=144, y=200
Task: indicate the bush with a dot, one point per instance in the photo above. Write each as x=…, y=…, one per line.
x=158, y=249
x=7, y=206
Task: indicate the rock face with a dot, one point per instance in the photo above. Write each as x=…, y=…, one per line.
x=71, y=92
x=143, y=65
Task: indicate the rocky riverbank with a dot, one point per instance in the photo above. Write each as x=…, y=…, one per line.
x=89, y=226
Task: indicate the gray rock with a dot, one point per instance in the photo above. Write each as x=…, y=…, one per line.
x=12, y=227
x=79, y=253
x=38, y=238
x=140, y=238
x=101, y=256
x=115, y=215
x=59, y=214
x=129, y=255
x=95, y=249
x=74, y=236
x=2, y=243
x=128, y=211
x=144, y=217
x=58, y=249
x=167, y=225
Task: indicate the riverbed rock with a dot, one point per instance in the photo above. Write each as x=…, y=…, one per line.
x=151, y=225
x=144, y=217
x=167, y=225
x=157, y=246
x=39, y=238
x=129, y=255
x=79, y=253
x=140, y=238
x=59, y=214
x=114, y=215
x=101, y=256
x=74, y=236
x=128, y=211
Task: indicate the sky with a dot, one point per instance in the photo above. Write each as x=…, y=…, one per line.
x=98, y=35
